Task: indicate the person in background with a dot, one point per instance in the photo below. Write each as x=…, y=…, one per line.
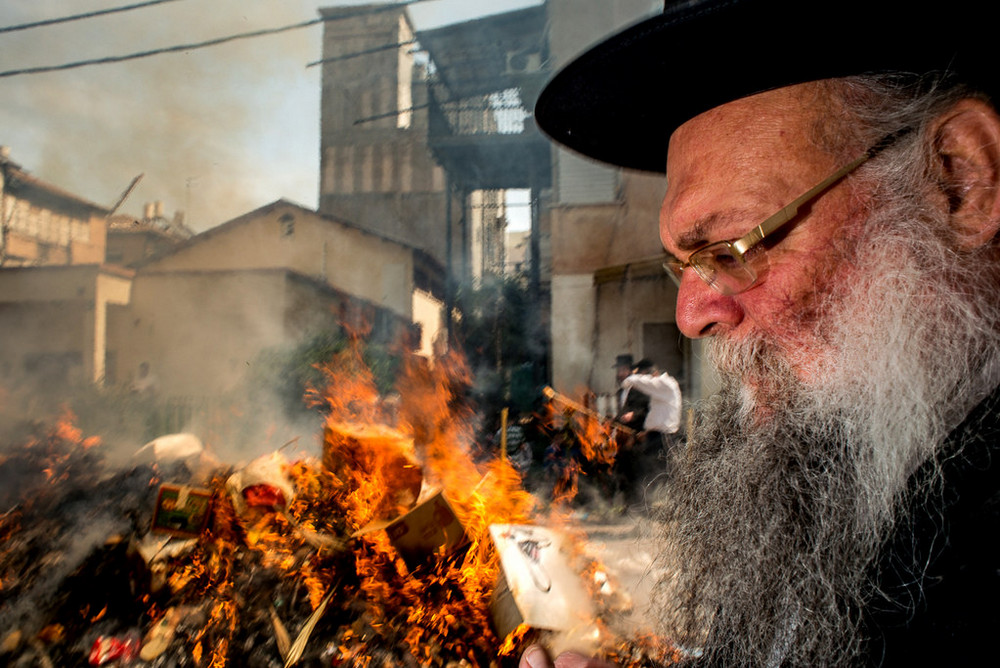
x=660, y=427
x=146, y=383
x=632, y=406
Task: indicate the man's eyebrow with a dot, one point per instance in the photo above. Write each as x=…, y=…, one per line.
x=697, y=235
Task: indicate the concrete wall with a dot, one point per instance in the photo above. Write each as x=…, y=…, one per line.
x=53, y=324
x=572, y=331
x=201, y=331
x=632, y=308
x=287, y=236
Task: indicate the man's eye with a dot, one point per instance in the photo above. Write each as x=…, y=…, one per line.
x=724, y=259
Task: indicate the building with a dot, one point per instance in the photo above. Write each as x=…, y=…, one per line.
x=43, y=225
x=197, y=310
x=132, y=240
x=54, y=325
x=201, y=313
x=55, y=290
x=610, y=294
x=594, y=256
x=376, y=168
x=422, y=132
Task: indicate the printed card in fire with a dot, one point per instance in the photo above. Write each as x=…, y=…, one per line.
x=430, y=528
x=181, y=510
x=537, y=586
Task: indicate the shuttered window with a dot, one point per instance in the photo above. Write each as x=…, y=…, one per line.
x=585, y=182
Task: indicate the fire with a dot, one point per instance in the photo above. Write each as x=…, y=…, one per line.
x=513, y=639
x=324, y=537
x=380, y=474
x=62, y=447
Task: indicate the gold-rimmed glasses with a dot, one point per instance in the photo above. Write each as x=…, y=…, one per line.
x=723, y=265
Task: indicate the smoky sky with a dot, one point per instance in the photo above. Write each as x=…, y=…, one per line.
x=217, y=131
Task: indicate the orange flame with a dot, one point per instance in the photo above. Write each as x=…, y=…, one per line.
x=378, y=458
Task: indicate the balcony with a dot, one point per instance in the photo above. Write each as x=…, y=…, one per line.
x=489, y=142
x=487, y=76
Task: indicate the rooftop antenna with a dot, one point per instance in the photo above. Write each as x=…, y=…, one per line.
x=128, y=191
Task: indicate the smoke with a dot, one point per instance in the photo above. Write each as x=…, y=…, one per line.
x=68, y=552
x=217, y=131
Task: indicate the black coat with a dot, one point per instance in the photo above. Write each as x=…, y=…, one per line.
x=637, y=403
x=949, y=612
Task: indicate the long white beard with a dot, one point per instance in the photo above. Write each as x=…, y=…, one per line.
x=776, y=512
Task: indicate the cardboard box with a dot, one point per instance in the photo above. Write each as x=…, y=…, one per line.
x=181, y=510
x=430, y=528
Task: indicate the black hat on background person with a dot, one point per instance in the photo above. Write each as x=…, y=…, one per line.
x=623, y=361
x=645, y=365
x=620, y=101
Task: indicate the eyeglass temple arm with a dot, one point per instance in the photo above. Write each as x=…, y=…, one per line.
x=757, y=234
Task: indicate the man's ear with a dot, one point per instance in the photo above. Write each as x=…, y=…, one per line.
x=967, y=145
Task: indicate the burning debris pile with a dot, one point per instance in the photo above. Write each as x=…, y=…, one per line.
x=390, y=548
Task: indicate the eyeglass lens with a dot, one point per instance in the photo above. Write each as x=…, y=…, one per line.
x=718, y=266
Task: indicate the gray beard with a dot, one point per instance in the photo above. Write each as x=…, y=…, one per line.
x=774, y=517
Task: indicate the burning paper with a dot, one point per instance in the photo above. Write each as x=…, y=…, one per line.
x=263, y=482
x=380, y=457
x=537, y=587
x=430, y=528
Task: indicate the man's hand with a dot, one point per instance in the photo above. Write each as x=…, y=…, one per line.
x=536, y=657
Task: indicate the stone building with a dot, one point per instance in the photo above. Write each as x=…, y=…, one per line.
x=42, y=224
x=376, y=168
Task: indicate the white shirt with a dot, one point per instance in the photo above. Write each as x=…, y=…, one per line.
x=664, y=401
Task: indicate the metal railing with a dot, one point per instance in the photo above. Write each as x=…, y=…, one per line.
x=500, y=113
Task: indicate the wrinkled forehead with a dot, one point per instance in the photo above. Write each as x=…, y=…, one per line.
x=773, y=127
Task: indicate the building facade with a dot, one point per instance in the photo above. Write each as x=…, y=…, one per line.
x=201, y=314
x=42, y=225
x=610, y=295
x=376, y=168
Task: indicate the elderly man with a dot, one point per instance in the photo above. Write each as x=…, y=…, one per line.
x=831, y=218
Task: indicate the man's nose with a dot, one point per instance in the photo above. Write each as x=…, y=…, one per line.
x=701, y=311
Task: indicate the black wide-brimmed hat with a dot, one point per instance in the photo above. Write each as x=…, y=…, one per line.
x=644, y=365
x=623, y=361
x=620, y=101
